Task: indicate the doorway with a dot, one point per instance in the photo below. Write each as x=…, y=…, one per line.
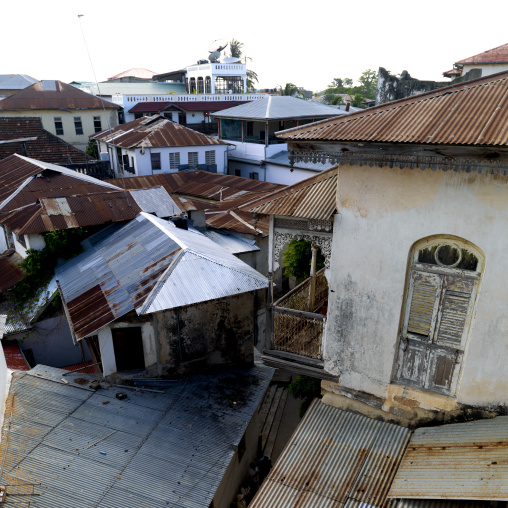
x=128, y=347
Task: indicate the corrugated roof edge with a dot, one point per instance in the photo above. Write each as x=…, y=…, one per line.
x=323, y=175
x=399, y=102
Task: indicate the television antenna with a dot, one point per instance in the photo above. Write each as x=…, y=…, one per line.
x=215, y=49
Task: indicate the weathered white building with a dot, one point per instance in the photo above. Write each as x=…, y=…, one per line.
x=411, y=224
x=154, y=145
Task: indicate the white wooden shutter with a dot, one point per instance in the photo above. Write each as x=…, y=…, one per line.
x=412, y=362
x=423, y=304
x=443, y=369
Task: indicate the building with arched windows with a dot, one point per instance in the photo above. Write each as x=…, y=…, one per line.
x=412, y=224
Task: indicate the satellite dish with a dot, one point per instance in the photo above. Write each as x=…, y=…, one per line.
x=231, y=59
x=217, y=45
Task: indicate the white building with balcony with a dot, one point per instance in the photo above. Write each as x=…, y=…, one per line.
x=251, y=129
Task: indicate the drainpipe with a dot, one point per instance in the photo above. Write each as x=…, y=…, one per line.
x=312, y=288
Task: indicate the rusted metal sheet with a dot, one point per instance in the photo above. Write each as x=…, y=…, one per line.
x=313, y=198
x=14, y=358
x=10, y=273
x=470, y=113
x=495, y=55
x=334, y=458
x=456, y=461
x=156, y=107
x=54, y=95
x=154, y=131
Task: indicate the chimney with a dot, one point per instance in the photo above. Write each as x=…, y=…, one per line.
x=348, y=104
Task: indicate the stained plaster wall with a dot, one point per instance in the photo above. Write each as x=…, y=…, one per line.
x=217, y=332
x=383, y=212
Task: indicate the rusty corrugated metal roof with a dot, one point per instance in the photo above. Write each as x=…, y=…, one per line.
x=470, y=113
x=313, y=198
x=14, y=358
x=136, y=72
x=147, y=265
x=334, y=458
x=456, y=461
x=10, y=273
x=154, y=131
x=156, y=107
x=495, y=55
x=50, y=94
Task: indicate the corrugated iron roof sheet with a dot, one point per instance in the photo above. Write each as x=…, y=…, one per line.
x=231, y=242
x=279, y=108
x=118, y=88
x=156, y=200
x=147, y=265
x=154, y=131
x=313, y=198
x=53, y=95
x=15, y=81
x=10, y=273
x=495, y=55
x=136, y=72
x=470, y=113
x=46, y=147
x=436, y=503
x=14, y=358
x=334, y=458
x=168, y=449
x=456, y=461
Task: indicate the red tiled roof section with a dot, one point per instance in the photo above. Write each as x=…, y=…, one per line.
x=155, y=131
x=156, y=107
x=471, y=113
x=52, y=94
x=47, y=147
x=495, y=55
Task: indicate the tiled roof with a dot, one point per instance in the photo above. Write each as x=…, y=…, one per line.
x=52, y=94
x=154, y=131
x=470, y=113
x=47, y=147
x=495, y=55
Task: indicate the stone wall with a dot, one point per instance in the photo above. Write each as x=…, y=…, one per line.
x=391, y=88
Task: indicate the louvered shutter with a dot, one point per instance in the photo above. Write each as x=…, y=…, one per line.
x=454, y=312
x=423, y=304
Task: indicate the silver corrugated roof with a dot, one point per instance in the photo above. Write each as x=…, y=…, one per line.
x=457, y=461
x=15, y=81
x=156, y=200
x=282, y=158
x=231, y=242
x=334, y=458
x=278, y=108
x=159, y=450
x=148, y=265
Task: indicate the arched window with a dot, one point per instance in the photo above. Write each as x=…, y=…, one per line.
x=192, y=85
x=201, y=85
x=443, y=284
x=208, y=84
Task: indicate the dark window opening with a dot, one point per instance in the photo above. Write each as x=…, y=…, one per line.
x=97, y=124
x=223, y=84
x=155, y=159
x=201, y=85
x=254, y=176
x=59, y=126
x=238, y=172
x=128, y=347
x=208, y=84
x=78, y=125
x=242, y=448
x=447, y=255
x=192, y=85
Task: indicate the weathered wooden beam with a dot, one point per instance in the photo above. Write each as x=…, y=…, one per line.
x=301, y=313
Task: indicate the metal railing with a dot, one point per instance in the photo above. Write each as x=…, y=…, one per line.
x=297, y=327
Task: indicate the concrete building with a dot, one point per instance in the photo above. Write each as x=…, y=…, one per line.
x=411, y=224
x=153, y=145
x=251, y=129
x=64, y=110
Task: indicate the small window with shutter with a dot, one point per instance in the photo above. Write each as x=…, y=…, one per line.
x=174, y=160
x=443, y=283
x=193, y=160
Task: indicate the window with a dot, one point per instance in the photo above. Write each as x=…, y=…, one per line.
x=238, y=172
x=443, y=283
x=192, y=85
x=78, y=125
x=155, y=159
x=97, y=124
x=208, y=84
x=174, y=160
x=223, y=84
x=254, y=176
x=58, y=126
x=193, y=160
x=201, y=85
x=210, y=157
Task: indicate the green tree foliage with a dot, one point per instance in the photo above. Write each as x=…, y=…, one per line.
x=290, y=89
x=365, y=90
x=92, y=149
x=236, y=50
x=306, y=388
x=297, y=259
x=39, y=266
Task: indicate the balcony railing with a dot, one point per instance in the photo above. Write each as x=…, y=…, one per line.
x=297, y=323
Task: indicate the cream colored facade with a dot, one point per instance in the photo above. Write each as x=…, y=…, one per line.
x=67, y=117
x=383, y=213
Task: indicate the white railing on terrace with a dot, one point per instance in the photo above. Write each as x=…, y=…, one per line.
x=121, y=99
x=218, y=67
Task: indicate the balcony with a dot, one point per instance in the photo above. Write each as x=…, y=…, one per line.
x=297, y=324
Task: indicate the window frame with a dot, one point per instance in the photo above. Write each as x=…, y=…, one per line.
x=155, y=157
x=174, y=160
x=58, y=129
x=190, y=161
x=97, y=128
x=78, y=126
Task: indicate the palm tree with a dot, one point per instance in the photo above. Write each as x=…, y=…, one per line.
x=235, y=49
